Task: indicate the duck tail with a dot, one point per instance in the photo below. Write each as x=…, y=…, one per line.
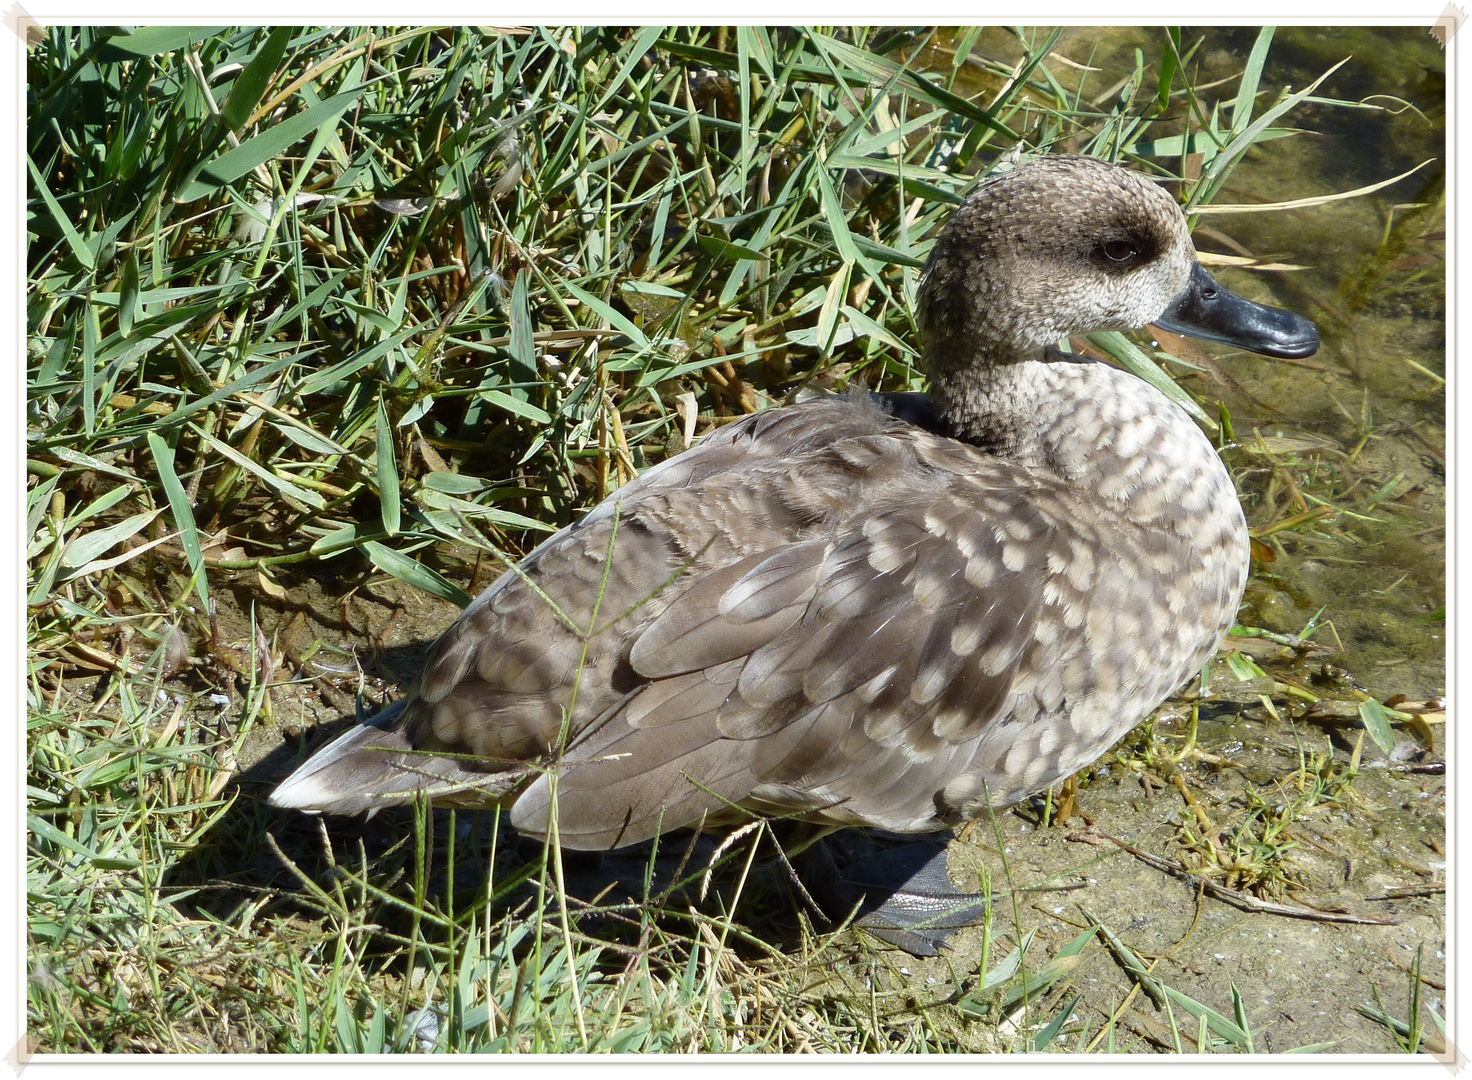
x=373, y=766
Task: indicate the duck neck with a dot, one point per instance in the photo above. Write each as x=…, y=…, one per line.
x=1007, y=403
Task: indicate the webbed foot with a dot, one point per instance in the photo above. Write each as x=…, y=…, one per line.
x=904, y=895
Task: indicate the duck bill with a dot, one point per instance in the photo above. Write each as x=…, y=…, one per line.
x=1206, y=310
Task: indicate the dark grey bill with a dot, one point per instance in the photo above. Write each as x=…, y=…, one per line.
x=1206, y=310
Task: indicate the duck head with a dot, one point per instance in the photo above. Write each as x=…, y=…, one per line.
x=1070, y=245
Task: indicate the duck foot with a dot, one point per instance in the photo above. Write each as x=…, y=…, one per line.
x=904, y=895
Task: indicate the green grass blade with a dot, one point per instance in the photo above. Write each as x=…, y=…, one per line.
x=74, y=242
x=279, y=484
x=128, y=293
x=1134, y=360
x=271, y=143
x=882, y=69
x=86, y=547
x=1169, y=66
x=515, y=406
x=183, y=513
x=388, y=472
x=1239, y=1012
x=834, y=216
x=1215, y=174
x=1040, y=1042
x=643, y=41
x=1377, y=723
x=523, y=346
x=1212, y=1019
x=1251, y=75
x=149, y=41
x=250, y=85
x=417, y=574
x=614, y=318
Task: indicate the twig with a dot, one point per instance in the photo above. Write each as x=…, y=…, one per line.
x=1410, y=891
x=1232, y=896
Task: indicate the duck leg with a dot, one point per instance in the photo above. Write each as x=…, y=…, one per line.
x=904, y=895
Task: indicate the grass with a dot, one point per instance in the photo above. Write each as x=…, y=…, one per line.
x=321, y=311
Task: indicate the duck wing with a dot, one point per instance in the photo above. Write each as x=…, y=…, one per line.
x=820, y=610
x=848, y=677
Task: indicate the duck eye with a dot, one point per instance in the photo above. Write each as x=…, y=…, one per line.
x=1118, y=250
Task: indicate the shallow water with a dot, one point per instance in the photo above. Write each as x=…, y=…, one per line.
x=1373, y=281
x=1377, y=291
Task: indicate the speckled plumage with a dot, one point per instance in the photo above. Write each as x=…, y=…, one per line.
x=827, y=610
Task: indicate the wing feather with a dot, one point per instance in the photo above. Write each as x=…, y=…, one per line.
x=729, y=612
x=634, y=783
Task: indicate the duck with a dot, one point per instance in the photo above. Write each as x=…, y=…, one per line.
x=892, y=611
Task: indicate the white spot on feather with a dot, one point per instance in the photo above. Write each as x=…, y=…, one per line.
x=981, y=571
x=875, y=686
x=965, y=637
x=927, y=686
